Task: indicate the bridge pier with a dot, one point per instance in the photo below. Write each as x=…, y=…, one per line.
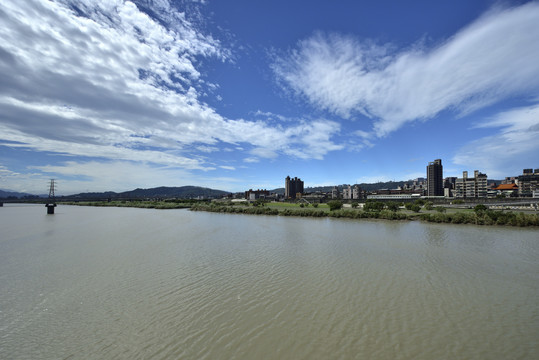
x=50, y=208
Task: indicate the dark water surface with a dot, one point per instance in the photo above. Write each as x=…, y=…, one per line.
x=103, y=283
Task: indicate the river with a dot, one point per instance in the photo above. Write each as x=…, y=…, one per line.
x=103, y=283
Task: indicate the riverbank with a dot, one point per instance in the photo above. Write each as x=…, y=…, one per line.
x=135, y=204
x=461, y=216
x=487, y=217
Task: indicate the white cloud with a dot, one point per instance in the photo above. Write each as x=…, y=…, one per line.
x=514, y=148
x=226, y=167
x=492, y=59
x=105, y=79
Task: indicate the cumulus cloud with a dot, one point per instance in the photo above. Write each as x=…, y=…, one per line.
x=492, y=59
x=120, y=80
x=515, y=146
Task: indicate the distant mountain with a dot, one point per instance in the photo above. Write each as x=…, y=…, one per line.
x=177, y=192
x=92, y=195
x=4, y=194
x=183, y=192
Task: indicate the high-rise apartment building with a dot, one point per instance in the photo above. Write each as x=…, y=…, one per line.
x=435, y=178
x=292, y=187
x=528, y=182
x=475, y=187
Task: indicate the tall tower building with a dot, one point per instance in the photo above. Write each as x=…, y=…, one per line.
x=292, y=187
x=435, y=178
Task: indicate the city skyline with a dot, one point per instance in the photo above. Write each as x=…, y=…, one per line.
x=115, y=95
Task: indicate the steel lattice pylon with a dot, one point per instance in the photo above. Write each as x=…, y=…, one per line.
x=51, y=202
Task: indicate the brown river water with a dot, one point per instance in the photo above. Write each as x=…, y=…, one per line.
x=123, y=283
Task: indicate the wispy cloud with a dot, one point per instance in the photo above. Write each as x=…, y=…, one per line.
x=515, y=146
x=226, y=167
x=492, y=59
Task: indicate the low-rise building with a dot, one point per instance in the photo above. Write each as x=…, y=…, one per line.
x=256, y=194
x=507, y=190
x=395, y=197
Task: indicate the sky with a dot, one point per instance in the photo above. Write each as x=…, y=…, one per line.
x=116, y=95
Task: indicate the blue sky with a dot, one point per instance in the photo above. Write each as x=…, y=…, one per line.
x=232, y=95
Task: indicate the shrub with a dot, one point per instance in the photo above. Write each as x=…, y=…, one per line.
x=428, y=205
x=440, y=209
x=480, y=208
x=334, y=205
x=415, y=208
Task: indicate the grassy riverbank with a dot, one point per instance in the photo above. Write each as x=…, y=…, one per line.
x=464, y=216
x=439, y=215
x=135, y=204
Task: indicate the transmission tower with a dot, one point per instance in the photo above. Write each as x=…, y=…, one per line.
x=51, y=202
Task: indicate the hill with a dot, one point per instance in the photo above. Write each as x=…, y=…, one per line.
x=163, y=192
x=174, y=192
x=4, y=194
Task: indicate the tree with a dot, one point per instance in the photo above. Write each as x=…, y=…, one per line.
x=440, y=209
x=355, y=204
x=392, y=206
x=373, y=206
x=480, y=208
x=428, y=205
x=334, y=205
x=259, y=202
x=415, y=208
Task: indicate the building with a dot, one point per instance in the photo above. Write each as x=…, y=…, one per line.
x=394, y=197
x=335, y=193
x=475, y=187
x=352, y=192
x=292, y=187
x=256, y=194
x=435, y=178
x=346, y=192
x=449, y=186
x=507, y=190
x=357, y=193
x=510, y=180
x=528, y=182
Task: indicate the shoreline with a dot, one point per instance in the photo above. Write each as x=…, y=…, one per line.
x=488, y=217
